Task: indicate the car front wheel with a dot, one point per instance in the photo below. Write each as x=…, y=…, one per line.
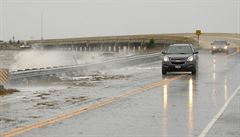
x=164, y=72
x=194, y=71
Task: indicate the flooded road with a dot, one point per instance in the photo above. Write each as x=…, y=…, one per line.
x=130, y=101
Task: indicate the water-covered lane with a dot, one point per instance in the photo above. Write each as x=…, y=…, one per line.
x=181, y=107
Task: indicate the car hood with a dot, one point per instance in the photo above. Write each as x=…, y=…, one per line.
x=178, y=56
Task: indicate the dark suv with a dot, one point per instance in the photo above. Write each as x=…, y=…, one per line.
x=220, y=46
x=180, y=57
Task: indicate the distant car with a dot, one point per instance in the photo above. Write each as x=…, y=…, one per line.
x=180, y=57
x=220, y=46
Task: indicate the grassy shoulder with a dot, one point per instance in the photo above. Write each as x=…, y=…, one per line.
x=156, y=44
x=159, y=38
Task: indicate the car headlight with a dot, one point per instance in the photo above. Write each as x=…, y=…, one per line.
x=166, y=58
x=225, y=47
x=190, y=58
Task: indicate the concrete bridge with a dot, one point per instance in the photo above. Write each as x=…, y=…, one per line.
x=112, y=43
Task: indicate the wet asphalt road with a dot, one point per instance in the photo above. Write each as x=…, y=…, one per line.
x=180, y=107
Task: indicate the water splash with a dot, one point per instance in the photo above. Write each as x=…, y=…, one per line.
x=49, y=58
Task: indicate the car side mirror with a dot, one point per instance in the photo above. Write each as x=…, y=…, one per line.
x=196, y=52
x=164, y=52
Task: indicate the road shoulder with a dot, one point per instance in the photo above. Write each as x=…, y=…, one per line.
x=228, y=125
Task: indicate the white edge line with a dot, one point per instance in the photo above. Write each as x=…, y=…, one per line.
x=216, y=117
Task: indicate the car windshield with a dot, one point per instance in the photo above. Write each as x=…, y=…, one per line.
x=219, y=43
x=179, y=50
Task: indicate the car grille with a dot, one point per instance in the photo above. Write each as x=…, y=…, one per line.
x=178, y=60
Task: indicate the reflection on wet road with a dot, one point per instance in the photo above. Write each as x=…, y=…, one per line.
x=190, y=106
x=225, y=90
x=165, y=112
x=176, y=105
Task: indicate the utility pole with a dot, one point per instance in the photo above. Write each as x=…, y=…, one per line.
x=41, y=25
x=3, y=19
x=238, y=16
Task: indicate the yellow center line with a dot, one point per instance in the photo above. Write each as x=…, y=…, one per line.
x=23, y=129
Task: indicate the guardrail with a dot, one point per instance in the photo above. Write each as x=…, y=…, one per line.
x=119, y=62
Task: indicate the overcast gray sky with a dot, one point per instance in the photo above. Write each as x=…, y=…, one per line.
x=80, y=18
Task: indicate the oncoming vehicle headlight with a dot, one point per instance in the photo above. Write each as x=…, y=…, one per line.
x=166, y=58
x=190, y=58
x=225, y=47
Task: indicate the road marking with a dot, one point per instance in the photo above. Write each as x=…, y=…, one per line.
x=227, y=56
x=234, y=53
x=211, y=123
x=23, y=129
x=217, y=116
